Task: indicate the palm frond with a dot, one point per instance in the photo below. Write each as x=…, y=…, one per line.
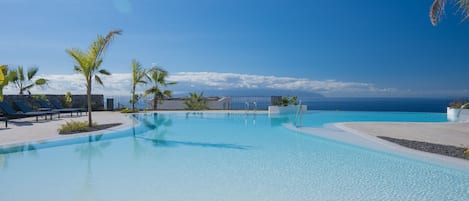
x=137, y=72
x=152, y=90
x=32, y=72
x=77, y=69
x=142, y=82
x=97, y=64
x=79, y=56
x=167, y=93
x=13, y=76
x=464, y=8
x=98, y=80
x=99, y=46
x=28, y=87
x=20, y=74
x=436, y=11
x=40, y=81
x=104, y=72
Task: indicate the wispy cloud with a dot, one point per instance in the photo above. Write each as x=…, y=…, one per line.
x=227, y=81
x=119, y=84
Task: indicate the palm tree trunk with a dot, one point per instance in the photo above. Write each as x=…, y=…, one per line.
x=155, y=103
x=21, y=89
x=88, y=94
x=133, y=98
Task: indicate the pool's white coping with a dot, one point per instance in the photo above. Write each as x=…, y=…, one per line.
x=26, y=131
x=340, y=132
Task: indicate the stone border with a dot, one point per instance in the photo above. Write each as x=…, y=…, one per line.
x=446, y=150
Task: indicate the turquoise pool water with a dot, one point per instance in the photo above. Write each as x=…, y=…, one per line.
x=320, y=118
x=219, y=157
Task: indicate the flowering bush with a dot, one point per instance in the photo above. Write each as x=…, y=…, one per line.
x=458, y=104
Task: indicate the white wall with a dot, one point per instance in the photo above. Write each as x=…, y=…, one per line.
x=452, y=114
x=286, y=109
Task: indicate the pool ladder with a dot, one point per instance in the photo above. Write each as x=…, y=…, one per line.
x=246, y=106
x=299, y=115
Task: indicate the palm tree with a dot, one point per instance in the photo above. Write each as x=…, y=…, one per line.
x=24, y=82
x=138, y=77
x=196, y=102
x=438, y=7
x=158, y=79
x=88, y=63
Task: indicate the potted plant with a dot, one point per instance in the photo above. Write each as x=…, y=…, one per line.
x=458, y=111
x=288, y=105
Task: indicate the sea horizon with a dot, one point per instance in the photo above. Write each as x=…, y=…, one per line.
x=379, y=104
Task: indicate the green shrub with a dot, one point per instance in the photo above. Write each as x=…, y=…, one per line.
x=458, y=104
x=126, y=110
x=289, y=100
x=75, y=126
x=196, y=102
x=285, y=101
x=68, y=100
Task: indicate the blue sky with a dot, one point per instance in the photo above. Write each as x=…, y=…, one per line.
x=336, y=48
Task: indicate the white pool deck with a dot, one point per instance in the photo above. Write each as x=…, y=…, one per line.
x=27, y=130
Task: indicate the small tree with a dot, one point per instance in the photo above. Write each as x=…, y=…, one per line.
x=138, y=77
x=24, y=82
x=88, y=62
x=158, y=79
x=195, y=102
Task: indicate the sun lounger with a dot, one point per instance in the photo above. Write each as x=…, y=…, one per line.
x=47, y=107
x=58, y=105
x=5, y=119
x=26, y=109
x=8, y=111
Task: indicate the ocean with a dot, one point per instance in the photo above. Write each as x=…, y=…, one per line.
x=340, y=104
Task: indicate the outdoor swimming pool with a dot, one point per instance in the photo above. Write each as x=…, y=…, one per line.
x=318, y=118
x=201, y=156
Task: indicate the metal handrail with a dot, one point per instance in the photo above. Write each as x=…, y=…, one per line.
x=299, y=113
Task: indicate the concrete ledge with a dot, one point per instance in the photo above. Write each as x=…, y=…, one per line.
x=291, y=109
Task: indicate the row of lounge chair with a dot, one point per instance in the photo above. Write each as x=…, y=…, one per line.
x=45, y=110
x=59, y=108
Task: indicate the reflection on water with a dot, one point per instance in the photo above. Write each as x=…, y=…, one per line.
x=155, y=127
x=172, y=143
x=92, y=148
x=159, y=125
x=279, y=120
x=21, y=148
x=87, y=151
x=16, y=152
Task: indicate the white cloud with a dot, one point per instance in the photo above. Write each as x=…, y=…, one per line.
x=119, y=84
x=245, y=81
